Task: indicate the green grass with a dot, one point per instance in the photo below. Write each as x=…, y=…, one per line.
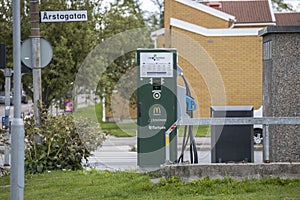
x=126, y=129
x=127, y=185
x=199, y=131
x=120, y=129
x=94, y=113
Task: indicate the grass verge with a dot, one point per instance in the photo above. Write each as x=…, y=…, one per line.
x=127, y=185
x=198, y=131
x=94, y=113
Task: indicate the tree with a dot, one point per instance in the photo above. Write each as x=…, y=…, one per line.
x=280, y=5
x=160, y=5
x=6, y=34
x=73, y=41
x=155, y=19
x=121, y=16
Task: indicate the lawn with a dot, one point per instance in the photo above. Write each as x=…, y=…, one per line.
x=94, y=113
x=129, y=185
x=126, y=129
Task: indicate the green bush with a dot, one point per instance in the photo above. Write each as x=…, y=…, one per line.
x=65, y=142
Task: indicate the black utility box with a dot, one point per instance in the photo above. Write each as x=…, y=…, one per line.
x=231, y=143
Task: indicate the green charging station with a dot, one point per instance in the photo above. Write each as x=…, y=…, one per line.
x=157, y=106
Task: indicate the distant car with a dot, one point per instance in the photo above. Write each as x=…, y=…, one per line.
x=24, y=98
x=258, y=129
x=2, y=98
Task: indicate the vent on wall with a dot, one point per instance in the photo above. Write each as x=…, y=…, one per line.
x=214, y=4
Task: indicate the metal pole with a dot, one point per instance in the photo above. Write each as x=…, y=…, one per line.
x=17, y=128
x=7, y=74
x=266, y=145
x=36, y=61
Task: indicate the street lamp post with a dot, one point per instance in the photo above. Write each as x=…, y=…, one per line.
x=17, y=127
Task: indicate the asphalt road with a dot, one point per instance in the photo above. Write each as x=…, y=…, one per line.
x=25, y=108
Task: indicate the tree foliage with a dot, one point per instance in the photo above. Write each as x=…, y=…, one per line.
x=73, y=41
x=121, y=16
x=280, y=5
x=6, y=33
x=158, y=17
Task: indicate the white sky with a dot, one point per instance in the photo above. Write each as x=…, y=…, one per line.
x=148, y=5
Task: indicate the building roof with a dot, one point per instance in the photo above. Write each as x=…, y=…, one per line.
x=245, y=11
x=287, y=19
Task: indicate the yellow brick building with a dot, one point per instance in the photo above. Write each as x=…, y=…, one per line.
x=219, y=48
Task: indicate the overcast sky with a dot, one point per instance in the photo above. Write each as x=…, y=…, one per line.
x=148, y=5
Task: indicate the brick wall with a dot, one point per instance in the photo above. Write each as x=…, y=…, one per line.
x=174, y=9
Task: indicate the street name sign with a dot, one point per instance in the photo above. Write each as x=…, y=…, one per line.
x=63, y=16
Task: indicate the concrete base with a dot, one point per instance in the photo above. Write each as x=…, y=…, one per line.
x=190, y=172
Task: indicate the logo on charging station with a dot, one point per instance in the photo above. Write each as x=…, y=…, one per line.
x=156, y=58
x=158, y=118
x=156, y=111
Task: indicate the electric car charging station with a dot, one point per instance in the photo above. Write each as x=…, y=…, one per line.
x=160, y=104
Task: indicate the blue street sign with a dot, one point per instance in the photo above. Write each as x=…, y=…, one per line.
x=5, y=122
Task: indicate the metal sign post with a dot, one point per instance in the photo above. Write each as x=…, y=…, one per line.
x=5, y=120
x=35, y=59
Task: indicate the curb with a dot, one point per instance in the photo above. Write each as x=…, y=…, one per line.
x=239, y=171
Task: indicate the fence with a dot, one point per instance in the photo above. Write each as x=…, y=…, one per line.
x=265, y=121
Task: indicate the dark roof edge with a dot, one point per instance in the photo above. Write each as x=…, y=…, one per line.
x=279, y=29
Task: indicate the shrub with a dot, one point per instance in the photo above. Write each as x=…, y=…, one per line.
x=65, y=142
x=3, y=137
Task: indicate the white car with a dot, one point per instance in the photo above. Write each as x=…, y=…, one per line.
x=258, y=129
x=2, y=98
